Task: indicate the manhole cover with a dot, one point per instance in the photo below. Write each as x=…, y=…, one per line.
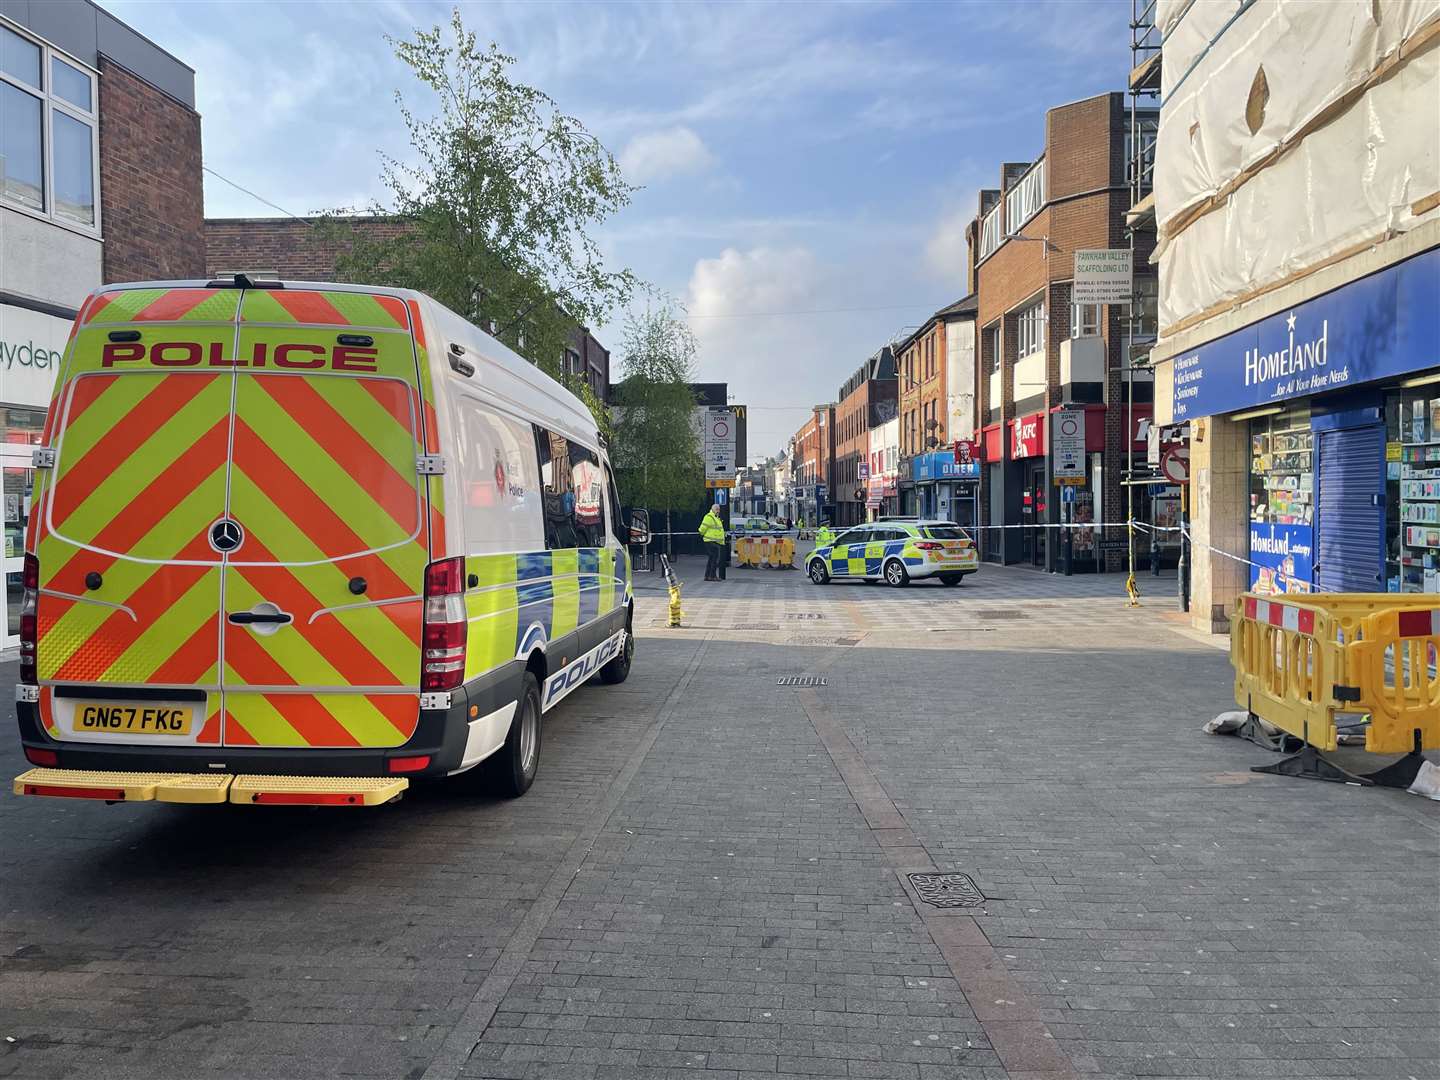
x=947, y=890
x=800, y=680
x=1001, y=613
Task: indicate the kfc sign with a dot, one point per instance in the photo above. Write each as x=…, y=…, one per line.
x=1027, y=436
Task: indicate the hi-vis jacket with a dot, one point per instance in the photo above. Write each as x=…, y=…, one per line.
x=712, y=530
x=307, y=528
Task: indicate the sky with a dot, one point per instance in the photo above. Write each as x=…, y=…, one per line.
x=806, y=169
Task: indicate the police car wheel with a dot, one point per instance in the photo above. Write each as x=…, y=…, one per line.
x=896, y=574
x=618, y=670
x=818, y=574
x=511, y=770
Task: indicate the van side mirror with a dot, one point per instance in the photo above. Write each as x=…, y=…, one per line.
x=639, y=527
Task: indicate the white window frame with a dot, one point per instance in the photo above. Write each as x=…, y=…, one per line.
x=997, y=346
x=991, y=232
x=50, y=103
x=1025, y=197
x=1084, y=320
x=1030, y=329
x=1145, y=307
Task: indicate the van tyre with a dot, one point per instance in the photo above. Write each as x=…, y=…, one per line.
x=896, y=574
x=818, y=574
x=618, y=670
x=511, y=770
x=951, y=579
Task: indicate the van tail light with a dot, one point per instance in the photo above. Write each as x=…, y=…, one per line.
x=442, y=637
x=29, y=625
x=930, y=545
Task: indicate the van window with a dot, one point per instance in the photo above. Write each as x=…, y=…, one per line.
x=499, y=486
x=620, y=528
x=573, y=486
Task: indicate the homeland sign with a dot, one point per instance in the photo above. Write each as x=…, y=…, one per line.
x=1382, y=325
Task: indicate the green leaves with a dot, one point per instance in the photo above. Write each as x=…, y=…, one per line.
x=492, y=212
x=656, y=449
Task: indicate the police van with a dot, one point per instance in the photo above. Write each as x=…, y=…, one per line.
x=300, y=543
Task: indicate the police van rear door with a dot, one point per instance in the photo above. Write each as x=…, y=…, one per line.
x=322, y=594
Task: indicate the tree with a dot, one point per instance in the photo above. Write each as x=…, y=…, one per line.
x=496, y=211
x=656, y=449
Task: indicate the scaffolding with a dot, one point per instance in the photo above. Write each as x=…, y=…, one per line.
x=1144, y=112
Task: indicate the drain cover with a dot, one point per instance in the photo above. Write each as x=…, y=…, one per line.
x=1000, y=613
x=803, y=615
x=947, y=890
x=800, y=680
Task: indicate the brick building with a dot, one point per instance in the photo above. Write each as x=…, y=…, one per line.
x=812, y=466
x=1037, y=352
x=100, y=181
x=297, y=249
x=867, y=400
x=936, y=406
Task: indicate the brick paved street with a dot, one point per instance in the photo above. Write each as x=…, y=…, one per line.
x=709, y=877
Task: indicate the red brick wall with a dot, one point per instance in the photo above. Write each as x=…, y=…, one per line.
x=152, y=198
x=294, y=249
x=852, y=445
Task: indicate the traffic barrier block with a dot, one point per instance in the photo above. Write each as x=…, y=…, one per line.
x=1301, y=660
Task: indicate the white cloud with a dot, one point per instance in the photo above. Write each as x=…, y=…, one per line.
x=760, y=280
x=946, y=252
x=659, y=155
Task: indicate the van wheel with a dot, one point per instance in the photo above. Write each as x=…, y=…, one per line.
x=951, y=579
x=618, y=670
x=511, y=770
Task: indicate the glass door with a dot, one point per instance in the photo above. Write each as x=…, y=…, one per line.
x=16, y=482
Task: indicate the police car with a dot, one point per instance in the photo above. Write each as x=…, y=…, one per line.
x=896, y=552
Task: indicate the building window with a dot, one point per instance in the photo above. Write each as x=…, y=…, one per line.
x=1030, y=329
x=1025, y=198
x=997, y=348
x=1084, y=320
x=1140, y=169
x=1145, y=309
x=42, y=93
x=990, y=233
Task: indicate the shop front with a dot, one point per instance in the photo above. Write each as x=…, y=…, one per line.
x=32, y=343
x=1338, y=403
x=946, y=490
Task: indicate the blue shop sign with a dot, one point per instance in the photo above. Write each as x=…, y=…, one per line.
x=1282, y=558
x=941, y=465
x=1382, y=325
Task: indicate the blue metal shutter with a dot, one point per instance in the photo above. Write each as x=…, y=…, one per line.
x=1350, y=510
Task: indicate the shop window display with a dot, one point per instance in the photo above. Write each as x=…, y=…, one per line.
x=1282, y=502
x=1413, y=537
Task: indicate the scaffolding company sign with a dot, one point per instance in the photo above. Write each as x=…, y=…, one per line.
x=1102, y=276
x=719, y=435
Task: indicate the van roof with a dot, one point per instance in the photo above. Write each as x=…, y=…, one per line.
x=563, y=409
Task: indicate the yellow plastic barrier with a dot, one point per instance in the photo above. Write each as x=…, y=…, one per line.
x=1301, y=660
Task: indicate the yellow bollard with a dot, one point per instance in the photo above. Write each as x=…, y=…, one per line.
x=674, y=583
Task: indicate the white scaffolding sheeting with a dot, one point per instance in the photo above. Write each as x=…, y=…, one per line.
x=1344, y=145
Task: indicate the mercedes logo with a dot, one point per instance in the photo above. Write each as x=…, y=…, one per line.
x=226, y=535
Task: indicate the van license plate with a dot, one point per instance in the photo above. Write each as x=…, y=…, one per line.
x=136, y=719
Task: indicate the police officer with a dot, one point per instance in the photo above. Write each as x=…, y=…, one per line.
x=824, y=537
x=712, y=535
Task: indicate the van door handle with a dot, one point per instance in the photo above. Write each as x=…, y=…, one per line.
x=242, y=618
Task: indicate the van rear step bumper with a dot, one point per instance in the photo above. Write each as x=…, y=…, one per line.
x=242, y=790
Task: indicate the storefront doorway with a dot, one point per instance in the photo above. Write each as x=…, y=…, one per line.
x=1035, y=507
x=16, y=482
